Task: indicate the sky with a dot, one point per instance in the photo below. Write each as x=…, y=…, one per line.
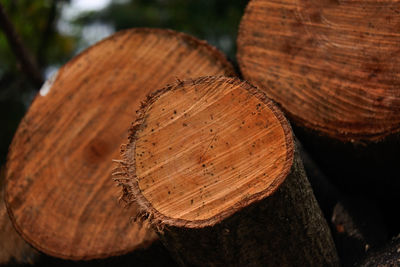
x=89, y=5
x=90, y=34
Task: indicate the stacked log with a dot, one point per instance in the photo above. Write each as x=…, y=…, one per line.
x=333, y=67
x=213, y=165
x=58, y=189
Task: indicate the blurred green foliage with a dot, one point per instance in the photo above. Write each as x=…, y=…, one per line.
x=36, y=22
x=216, y=21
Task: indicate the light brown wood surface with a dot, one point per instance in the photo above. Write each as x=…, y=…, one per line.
x=201, y=149
x=59, y=190
x=13, y=249
x=332, y=65
x=207, y=147
x=213, y=166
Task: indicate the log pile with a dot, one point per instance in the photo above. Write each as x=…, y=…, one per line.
x=13, y=249
x=59, y=193
x=213, y=164
x=210, y=165
x=332, y=68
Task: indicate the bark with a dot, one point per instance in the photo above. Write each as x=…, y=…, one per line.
x=356, y=222
x=388, y=256
x=357, y=228
x=281, y=225
x=325, y=192
x=287, y=229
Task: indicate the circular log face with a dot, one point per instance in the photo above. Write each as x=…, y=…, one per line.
x=59, y=190
x=333, y=65
x=207, y=147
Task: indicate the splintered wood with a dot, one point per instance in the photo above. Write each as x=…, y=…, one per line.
x=59, y=192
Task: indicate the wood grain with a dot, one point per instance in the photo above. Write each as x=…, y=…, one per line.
x=59, y=192
x=13, y=249
x=333, y=65
x=208, y=147
x=212, y=164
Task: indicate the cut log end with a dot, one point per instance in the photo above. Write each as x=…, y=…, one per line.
x=58, y=188
x=202, y=149
x=13, y=249
x=332, y=65
x=213, y=161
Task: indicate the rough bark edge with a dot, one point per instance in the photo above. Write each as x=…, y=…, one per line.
x=320, y=130
x=196, y=44
x=295, y=193
x=125, y=174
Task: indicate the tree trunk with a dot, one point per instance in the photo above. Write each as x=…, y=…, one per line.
x=325, y=192
x=58, y=190
x=213, y=165
x=334, y=69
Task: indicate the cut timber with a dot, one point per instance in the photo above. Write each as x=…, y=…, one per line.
x=213, y=166
x=13, y=249
x=334, y=67
x=58, y=188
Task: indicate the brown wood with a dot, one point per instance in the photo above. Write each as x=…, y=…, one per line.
x=13, y=249
x=213, y=166
x=59, y=193
x=332, y=65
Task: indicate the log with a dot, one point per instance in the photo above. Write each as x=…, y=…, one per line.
x=213, y=166
x=358, y=227
x=333, y=66
x=13, y=249
x=363, y=170
x=356, y=222
x=154, y=255
x=58, y=189
x=387, y=256
x=325, y=192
